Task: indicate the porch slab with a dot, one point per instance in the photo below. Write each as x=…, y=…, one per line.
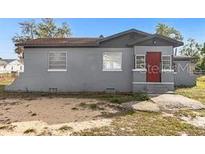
x=176, y=102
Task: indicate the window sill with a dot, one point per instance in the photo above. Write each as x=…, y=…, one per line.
x=117, y=70
x=139, y=70
x=57, y=70
x=167, y=70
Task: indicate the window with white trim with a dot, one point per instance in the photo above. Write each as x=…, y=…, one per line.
x=139, y=62
x=112, y=61
x=57, y=61
x=166, y=62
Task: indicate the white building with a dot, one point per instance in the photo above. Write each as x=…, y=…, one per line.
x=11, y=66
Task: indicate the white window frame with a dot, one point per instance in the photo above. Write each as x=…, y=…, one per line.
x=104, y=69
x=57, y=70
x=140, y=69
x=170, y=68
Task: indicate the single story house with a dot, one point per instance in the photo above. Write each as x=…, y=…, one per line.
x=129, y=61
x=11, y=66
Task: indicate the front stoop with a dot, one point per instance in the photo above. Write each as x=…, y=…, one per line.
x=156, y=88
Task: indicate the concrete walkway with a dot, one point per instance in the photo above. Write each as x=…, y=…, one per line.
x=167, y=102
x=172, y=101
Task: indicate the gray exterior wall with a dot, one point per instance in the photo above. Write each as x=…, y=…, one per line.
x=84, y=71
x=84, y=68
x=184, y=75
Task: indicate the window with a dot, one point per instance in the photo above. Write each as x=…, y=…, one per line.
x=166, y=62
x=175, y=66
x=139, y=62
x=112, y=61
x=57, y=61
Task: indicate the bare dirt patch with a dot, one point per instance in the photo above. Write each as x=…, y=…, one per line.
x=53, y=110
x=53, y=116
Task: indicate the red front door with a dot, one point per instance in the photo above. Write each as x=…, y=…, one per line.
x=153, y=66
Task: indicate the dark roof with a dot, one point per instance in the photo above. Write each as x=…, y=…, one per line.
x=7, y=60
x=57, y=42
x=123, y=33
x=175, y=42
x=92, y=42
x=182, y=58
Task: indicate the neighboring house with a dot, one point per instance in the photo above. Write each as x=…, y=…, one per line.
x=11, y=66
x=129, y=61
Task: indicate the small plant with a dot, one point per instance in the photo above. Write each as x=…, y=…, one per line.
x=45, y=132
x=65, y=128
x=82, y=104
x=74, y=108
x=30, y=130
x=90, y=106
x=33, y=114
x=93, y=106
x=140, y=96
x=8, y=127
x=115, y=100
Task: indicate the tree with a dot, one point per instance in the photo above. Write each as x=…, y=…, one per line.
x=192, y=49
x=28, y=31
x=165, y=30
x=201, y=63
x=47, y=28
x=64, y=31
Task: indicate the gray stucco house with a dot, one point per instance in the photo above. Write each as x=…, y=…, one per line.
x=130, y=61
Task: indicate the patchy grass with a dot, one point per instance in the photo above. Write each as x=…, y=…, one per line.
x=197, y=92
x=5, y=79
x=201, y=82
x=92, y=106
x=187, y=113
x=144, y=124
x=30, y=130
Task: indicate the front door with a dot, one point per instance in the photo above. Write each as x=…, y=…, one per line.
x=153, y=60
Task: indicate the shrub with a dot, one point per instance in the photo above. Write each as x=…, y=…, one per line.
x=116, y=99
x=140, y=96
x=65, y=127
x=30, y=130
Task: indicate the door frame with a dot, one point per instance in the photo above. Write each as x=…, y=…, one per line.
x=160, y=74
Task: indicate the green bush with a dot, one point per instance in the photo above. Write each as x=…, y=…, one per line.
x=116, y=99
x=140, y=96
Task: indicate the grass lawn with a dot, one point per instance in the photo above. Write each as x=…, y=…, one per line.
x=144, y=124
x=197, y=92
x=5, y=79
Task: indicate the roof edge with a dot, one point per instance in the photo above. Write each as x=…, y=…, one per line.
x=176, y=42
x=123, y=33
